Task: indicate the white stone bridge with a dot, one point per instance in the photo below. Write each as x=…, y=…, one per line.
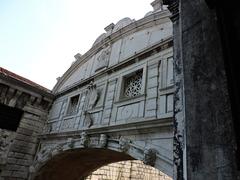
x=114, y=103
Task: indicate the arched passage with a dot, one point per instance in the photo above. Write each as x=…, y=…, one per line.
x=78, y=163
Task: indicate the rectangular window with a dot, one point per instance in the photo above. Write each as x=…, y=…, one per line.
x=73, y=104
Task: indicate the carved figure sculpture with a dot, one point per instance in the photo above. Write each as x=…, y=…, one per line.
x=103, y=140
x=124, y=144
x=84, y=140
x=149, y=156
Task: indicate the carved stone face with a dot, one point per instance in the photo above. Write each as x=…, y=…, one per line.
x=149, y=157
x=124, y=144
x=103, y=140
x=84, y=139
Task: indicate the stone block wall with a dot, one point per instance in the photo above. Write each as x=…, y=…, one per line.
x=18, y=145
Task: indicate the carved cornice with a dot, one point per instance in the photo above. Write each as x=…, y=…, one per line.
x=173, y=6
x=16, y=97
x=144, y=123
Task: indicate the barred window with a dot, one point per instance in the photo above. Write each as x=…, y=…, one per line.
x=72, y=107
x=133, y=84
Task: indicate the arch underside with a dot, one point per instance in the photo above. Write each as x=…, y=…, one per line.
x=77, y=164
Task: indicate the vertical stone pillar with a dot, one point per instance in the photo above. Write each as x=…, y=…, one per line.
x=179, y=147
x=203, y=120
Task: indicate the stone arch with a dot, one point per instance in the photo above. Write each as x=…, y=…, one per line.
x=75, y=159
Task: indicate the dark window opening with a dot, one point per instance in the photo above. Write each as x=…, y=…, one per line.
x=9, y=117
x=72, y=108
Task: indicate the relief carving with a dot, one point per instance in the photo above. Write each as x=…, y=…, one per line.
x=124, y=144
x=149, y=156
x=93, y=96
x=102, y=60
x=103, y=140
x=6, y=139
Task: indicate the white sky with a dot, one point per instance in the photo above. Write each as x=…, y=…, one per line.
x=39, y=38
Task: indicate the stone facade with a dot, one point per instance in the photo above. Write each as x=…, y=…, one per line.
x=116, y=100
x=18, y=144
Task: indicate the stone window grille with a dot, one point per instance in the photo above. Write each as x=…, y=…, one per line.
x=73, y=104
x=133, y=85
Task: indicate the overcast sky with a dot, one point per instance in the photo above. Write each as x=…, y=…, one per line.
x=39, y=38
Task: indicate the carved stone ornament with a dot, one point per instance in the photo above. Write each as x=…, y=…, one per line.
x=44, y=154
x=93, y=95
x=149, y=157
x=124, y=144
x=88, y=119
x=102, y=60
x=103, y=140
x=84, y=140
x=57, y=149
x=6, y=139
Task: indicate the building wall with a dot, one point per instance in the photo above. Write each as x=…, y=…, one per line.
x=19, y=140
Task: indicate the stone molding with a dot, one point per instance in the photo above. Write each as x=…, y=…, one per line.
x=173, y=6
x=18, y=98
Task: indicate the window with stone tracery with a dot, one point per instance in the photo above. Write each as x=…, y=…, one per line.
x=72, y=107
x=133, y=84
